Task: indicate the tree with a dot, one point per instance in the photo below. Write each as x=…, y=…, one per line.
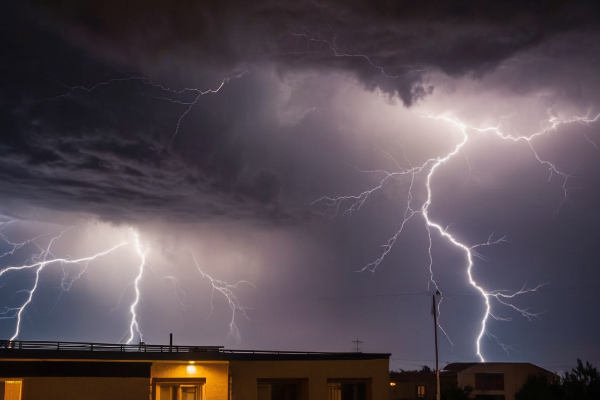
x=451, y=391
x=583, y=383
x=537, y=387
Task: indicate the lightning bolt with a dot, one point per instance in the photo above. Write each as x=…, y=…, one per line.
x=134, y=326
x=352, y=203
x=170, y=95
x=39, y=262
x=198, y=94
x=44, y=258
x=227, y=290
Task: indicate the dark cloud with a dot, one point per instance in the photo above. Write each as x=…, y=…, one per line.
x=387, y=44
x=90, y=147
x=319, y=99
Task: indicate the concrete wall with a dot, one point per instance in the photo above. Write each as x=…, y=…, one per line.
x=61, y=388
x=246, y=373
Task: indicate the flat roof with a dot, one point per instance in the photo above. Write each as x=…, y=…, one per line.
x=42, y=350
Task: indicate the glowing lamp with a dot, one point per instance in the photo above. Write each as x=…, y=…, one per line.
x=191, y=369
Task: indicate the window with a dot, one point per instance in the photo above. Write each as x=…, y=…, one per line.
x=178, y=389
x=10, y=390
x=489, y=381
x=284, y=389
x=178, y=392
x=348, y=389
x=421, y=391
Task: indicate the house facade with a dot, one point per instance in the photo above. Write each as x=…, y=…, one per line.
x=418, y=385
x=495, y=381
x=65, y=371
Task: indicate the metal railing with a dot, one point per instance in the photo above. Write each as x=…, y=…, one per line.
x=118, y=347
x=140, y=347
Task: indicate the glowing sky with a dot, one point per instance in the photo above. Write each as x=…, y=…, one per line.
x=209, y=130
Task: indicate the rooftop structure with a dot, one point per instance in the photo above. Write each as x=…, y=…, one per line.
x=68, y=370
x=495, y=380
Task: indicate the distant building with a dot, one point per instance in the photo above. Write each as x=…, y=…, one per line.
x=417, y=385
x=74, y=371
x=495, y=381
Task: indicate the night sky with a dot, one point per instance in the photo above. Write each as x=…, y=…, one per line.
x=221, y=133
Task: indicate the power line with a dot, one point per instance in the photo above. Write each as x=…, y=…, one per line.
x=449, y=295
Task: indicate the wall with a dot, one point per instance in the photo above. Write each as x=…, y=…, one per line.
x=61, y=388
x=515, y=375
x=246, y=373
x=406, y=383
x=216, y=374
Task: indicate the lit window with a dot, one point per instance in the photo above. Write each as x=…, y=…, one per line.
x=348, y=389
x=285, y=389
x=10, y=390
x=421, y=391
x=178, y=389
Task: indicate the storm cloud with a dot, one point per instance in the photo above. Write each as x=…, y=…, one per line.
x=217, y=126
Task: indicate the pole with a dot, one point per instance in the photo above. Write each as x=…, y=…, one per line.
x=437, y=368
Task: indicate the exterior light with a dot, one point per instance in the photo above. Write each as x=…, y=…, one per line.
x=392, y=383
x=191, y=369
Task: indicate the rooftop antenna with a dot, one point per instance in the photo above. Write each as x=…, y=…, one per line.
x=357, y=349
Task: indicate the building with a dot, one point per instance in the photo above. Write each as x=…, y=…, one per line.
x=65, y=371
x=418, y=385
x=495, y=381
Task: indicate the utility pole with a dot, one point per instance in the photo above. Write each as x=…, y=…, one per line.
x=358, y=349
x=435, y=325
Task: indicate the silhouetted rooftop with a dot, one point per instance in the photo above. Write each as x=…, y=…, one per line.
x=110, y=351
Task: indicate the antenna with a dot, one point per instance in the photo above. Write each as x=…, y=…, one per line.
x=357, y=349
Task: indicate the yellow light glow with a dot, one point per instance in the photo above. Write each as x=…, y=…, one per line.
x=12, y=390
x=191, y=369
x=392, y=383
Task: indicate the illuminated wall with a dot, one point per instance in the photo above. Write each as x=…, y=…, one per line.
x=85, y=388
x=216, y=375
x=312, y=378
x=316, y=374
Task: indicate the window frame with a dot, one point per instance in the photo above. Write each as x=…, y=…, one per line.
x=346, y=381
x=302, y=385
x=421, y=394
x=489, y=381
x=179, y=382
